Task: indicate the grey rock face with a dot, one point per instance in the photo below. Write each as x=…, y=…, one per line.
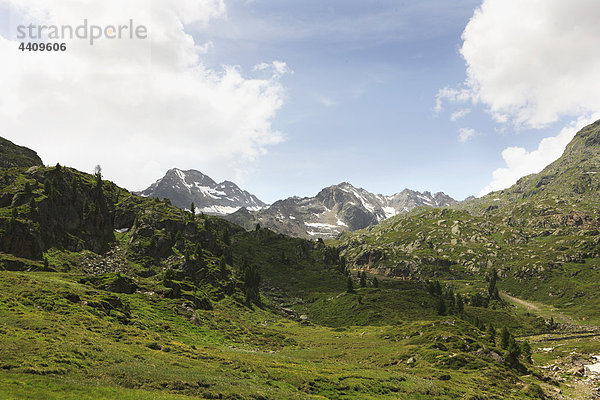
x=210, y=197
x=335, y=209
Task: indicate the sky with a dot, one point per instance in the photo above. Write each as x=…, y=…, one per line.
x=286, y=97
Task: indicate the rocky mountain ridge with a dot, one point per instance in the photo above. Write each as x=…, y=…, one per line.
x=186, y=187
x=336, y=209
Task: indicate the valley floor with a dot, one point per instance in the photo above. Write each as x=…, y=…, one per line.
x=65, y=340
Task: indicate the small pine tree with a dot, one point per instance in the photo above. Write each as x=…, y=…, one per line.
x=431, y=287
x=179, y=238
x=32, y=204
x=460, y=305
x=375, y=282
x=349, y=285
x=98, y=176
x=169, y=276
x=252, y=279
x=505, y=338
x=513, y=353
x=491, y=334
x=193, y=209
x=526, y=351
x=257, y=228
x=48, y=189
x=450, y=299
x=492, y=289
x=441, y=306
x=222, y=265
x=551, y=324
x=363, y=279
x=342, y=265
x=46, y=263
x=477, y=300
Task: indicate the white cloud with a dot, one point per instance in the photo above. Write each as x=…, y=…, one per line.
x=452, y=95
x=460, y=114
x=520, y=162
x=137, y=107
x=531, y=63
x=464, y=134
x=534, y=61
x=276, y=68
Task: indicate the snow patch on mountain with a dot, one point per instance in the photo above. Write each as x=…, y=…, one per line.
x=336, y=209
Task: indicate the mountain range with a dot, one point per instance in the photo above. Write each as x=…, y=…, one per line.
x=333, y=210
x=186, y=187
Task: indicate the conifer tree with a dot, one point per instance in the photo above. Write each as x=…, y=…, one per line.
x=491, y=334
x=342, y=265
x=526, y=350
x=441, y=306
x=460, y=305
x=513, y=352
x=505, y=338
x=349, y=285
x=363, y=279
x=222, y=265
x=492, y=289
x=251, y=278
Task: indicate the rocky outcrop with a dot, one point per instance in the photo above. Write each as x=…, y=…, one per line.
x=12, y=155
x=183, y=188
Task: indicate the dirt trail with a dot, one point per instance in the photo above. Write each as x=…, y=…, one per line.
x=543, y=310
x=526, y=304
x=579, y=388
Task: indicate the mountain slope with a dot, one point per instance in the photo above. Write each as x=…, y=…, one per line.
x=542, y=235
x=336, y=209
x=12, y=155
x=186, y=187
x=571, y=182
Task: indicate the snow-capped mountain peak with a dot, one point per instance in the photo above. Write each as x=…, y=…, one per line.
x=186, y=187
x=336, y=209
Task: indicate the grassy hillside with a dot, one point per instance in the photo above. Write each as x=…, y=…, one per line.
x=104, y=294
x=542, y=235
x=64, y=339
